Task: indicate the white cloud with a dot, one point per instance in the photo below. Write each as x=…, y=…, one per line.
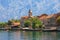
x=15, y=6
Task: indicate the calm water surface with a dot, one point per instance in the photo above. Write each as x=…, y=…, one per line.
x=29, y=35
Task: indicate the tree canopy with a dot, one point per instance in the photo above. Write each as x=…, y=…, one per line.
x=27, y=23
x=13, y=20
x=34, y=22
x=58, y=20
x=3, y=24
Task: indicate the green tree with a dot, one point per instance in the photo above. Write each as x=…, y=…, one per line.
x=27, y=23
x=33, y=22
x=3, y=24
x=36, y=23
x=15, y=20
x=9, y=22
x=58, y=20
x=12, y=20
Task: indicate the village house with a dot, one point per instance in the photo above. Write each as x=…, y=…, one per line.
x=48, y=20
x=15, y=25
x=43, y=18
x=51, y=20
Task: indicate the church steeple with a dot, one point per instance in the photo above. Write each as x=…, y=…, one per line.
x=30, y=13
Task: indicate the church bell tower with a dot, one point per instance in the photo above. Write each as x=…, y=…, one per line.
x=30, y=13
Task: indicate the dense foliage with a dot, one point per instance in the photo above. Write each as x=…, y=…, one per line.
x=13, y=20
x=3, y=24
x=27, y=23
x=7, y=24
x=34, y=22
x=58, y=20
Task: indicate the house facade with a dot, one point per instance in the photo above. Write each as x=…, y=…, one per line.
x=51, y=19
x=48, y=20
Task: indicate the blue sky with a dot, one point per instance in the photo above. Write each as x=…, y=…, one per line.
x=14, y=9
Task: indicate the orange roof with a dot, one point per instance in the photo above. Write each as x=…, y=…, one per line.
x=46, y=17
x=49, y=16
x=52, y=15
x=25, y=17
x=43, y=17
x=15, y=23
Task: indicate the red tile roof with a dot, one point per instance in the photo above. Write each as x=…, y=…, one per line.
x=15, y=23
x=25, y=17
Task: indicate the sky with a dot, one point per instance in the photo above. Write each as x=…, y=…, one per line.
x=15, y=9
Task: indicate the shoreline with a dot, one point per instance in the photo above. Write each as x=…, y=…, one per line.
x=30, y=30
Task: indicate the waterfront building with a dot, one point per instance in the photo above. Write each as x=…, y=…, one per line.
x=47, y=20
x=15, y=25
x=43, y=18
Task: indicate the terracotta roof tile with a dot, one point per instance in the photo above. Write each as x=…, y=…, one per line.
x=15, y=23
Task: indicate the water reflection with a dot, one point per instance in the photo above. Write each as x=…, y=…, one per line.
x=58, y=36
x=49, y=36
x=14, y=35
x=29, y=35
x=3, y=35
